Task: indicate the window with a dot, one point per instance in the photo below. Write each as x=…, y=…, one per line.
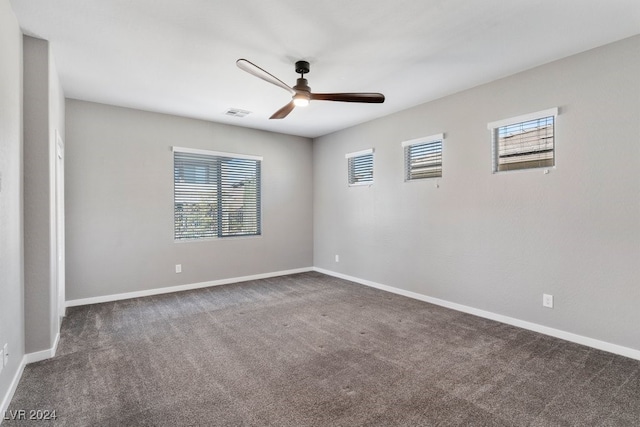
x=360, y=167
x=423, y=157
x=524, y=142
x=215, y=194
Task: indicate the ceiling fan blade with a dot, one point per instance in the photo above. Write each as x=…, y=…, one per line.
x=283, y=112
x=252, y=68
x=349, y=97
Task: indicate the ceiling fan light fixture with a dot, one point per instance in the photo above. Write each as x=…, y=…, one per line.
x=300, y=100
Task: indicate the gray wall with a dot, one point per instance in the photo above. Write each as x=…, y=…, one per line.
x=119, y=202
x=43, y=115
x=11, y=226
x=498, y=242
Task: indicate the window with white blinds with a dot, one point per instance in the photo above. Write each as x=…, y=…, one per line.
x=360, y=167
x=524, y=142
x=215, y=194
x=423, y=157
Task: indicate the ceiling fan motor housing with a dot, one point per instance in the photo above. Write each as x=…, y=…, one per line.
x=302, y=85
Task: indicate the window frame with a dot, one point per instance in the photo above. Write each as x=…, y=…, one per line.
x=351, y=158
x=220, y=155
x=494, y=127
x=420, y=141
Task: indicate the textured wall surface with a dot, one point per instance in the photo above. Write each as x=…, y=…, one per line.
x=497, y=242
x=37, y=202
x=119, y=202
x=11, y=203
x=43, y=120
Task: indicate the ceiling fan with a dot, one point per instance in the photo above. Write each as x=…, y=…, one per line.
x=301, y=92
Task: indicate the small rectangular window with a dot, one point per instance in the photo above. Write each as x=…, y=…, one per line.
x=524, y=142
x=215, y=194
x=423, y=157
x=360, y=167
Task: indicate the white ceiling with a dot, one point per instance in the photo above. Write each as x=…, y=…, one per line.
x=178, y=57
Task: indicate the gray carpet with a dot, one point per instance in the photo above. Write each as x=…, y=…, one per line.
x=313, y=350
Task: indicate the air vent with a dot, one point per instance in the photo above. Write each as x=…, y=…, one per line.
x=236, y=112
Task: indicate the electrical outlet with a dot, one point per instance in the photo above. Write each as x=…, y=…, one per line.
x=5, y=352
x=337, y=258
x=178, y=268
x=547, y=300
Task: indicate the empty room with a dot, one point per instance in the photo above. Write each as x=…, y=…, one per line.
x=336, y=213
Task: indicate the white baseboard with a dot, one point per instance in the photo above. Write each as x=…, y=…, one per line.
x=557, y=333
x=6, y=399
x=26, y=359
x=167, y=290
x=37, y=356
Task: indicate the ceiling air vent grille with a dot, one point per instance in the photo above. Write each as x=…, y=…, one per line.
x=236, y=112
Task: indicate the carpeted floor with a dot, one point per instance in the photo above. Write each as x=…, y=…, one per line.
x=313, y=350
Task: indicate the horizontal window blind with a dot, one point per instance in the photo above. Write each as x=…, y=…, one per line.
x=423, y=160
x=240, y=201
x=524, y=145
x=215, y=195
x=360, y=167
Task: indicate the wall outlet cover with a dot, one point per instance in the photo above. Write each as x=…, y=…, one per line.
x=547, y=300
